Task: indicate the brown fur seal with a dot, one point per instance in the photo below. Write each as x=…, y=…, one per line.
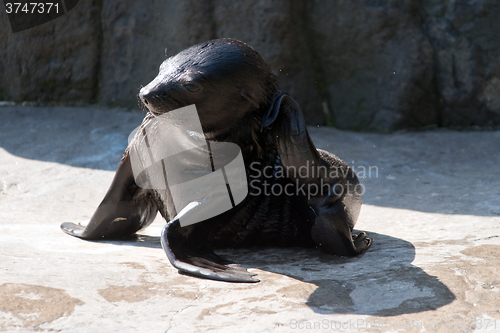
x=237, y=100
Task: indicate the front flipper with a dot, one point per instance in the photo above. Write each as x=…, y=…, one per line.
x=125, y=209
x=188, y=251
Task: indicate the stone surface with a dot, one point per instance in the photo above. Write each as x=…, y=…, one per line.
x=467, y=51
x=56, y=61
x=432, y=204
x=376, y=63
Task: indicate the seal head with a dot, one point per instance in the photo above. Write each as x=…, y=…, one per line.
x=226, y=79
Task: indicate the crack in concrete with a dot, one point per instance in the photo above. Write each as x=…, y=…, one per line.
x=495, y=236
x=185, y=308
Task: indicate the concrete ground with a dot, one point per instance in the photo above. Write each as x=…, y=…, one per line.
x=432, y=204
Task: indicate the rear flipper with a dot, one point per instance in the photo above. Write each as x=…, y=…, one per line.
x=337, y=213
x=188, y=251
x=125, y=209
x=336, y=241
x=332, y=230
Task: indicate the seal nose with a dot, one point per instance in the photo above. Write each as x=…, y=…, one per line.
x=145, y=95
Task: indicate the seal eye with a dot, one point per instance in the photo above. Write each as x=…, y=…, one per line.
x=192, y=87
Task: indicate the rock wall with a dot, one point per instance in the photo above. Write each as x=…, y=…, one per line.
x=465, y=35
x=56, y=61
x=356, y=64
x=376, y=62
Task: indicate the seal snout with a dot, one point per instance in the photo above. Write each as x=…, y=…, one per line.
x=157, y=99
x=146, y=95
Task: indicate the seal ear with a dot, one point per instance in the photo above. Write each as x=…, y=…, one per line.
x=288, y=128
